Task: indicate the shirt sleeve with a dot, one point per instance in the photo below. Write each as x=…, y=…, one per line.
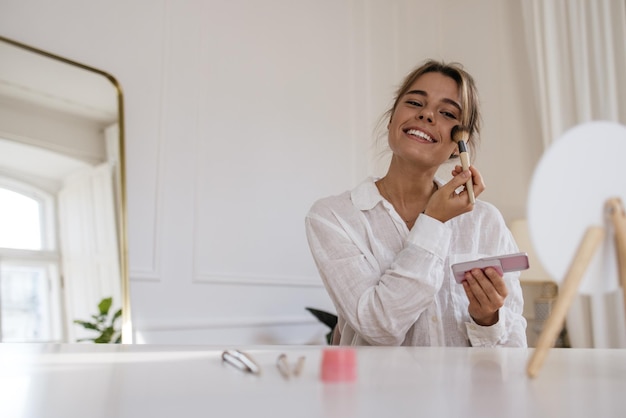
x=379, y=305
x=510, y=330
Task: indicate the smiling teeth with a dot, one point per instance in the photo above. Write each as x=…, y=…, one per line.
x=421, y=134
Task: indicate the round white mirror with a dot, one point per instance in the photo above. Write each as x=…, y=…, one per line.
x=574, y=179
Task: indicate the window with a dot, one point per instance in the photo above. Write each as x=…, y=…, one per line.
x=30, y=308
x=20, y=222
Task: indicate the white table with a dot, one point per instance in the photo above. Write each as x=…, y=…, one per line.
x=92, y=381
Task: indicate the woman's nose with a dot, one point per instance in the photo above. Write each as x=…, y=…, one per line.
x=426, y=114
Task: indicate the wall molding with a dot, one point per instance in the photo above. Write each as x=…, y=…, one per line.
x=257, y=280
x=195, y=324
x=144, y=276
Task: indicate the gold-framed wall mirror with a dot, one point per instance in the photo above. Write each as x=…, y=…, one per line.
x=63, y=240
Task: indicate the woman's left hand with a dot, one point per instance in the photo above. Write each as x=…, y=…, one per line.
x=486, y=292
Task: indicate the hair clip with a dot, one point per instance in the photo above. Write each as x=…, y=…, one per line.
x=241, y=361
x=285, y=370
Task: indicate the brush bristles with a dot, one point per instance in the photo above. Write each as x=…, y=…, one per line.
x=460, y=133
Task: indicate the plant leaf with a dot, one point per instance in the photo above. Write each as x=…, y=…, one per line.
x=105, y=305
x=116, y=315
x=106, y=335
x=87, y=325
x=326, y=318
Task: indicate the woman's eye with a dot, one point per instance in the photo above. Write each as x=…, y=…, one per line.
x=448, y=114
x=414, y=103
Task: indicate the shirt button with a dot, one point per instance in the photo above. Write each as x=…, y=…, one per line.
x=434, y=319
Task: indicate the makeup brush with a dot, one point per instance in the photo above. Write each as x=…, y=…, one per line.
x=460, y=135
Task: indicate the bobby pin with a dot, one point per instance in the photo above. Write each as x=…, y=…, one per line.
x=285, y=370
x=241, y=361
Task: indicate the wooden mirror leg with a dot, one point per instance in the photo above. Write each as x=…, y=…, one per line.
x=567, y=291
x=617, y=215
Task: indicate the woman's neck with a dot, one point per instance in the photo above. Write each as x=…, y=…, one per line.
x=407, y=195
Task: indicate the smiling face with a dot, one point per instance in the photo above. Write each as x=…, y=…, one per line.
x=420, y=125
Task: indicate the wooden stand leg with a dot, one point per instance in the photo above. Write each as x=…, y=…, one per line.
x=567, y=291
x=617, y=215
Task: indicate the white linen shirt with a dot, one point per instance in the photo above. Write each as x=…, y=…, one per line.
x=394, y=286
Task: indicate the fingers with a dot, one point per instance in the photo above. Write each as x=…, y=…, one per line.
x=487, y=286
x=477, y=179
x=446, y=203
x=470, y=294
x=486, y=292
x=497, y=281
x=459, y=177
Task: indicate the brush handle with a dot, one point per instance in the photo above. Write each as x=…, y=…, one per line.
x=469, y=185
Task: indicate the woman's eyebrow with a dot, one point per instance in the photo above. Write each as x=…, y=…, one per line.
x=446, y=100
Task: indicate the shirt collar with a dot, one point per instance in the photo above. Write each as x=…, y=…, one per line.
x=365, y=196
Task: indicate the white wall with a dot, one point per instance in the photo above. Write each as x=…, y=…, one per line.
x=239, y=114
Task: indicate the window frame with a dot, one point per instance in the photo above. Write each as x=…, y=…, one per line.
x=48, y=257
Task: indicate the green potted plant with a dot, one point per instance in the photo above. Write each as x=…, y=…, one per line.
x=105, y=323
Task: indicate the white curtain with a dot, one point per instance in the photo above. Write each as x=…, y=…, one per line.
x=577, y=50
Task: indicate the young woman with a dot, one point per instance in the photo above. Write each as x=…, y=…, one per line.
x=384, y=249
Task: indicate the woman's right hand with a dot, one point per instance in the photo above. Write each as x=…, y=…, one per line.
x=446, y=203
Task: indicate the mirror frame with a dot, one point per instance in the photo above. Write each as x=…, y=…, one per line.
x=127, y=332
